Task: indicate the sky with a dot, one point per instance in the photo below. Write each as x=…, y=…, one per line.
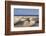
x=21, y=11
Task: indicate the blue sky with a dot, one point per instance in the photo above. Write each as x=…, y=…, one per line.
x=21, y=11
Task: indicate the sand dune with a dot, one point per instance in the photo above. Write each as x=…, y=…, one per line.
x=26, y=20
